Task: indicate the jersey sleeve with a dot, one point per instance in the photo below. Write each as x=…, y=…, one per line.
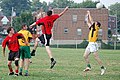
x=19, y=35
x=39, y=22
x=55, y=17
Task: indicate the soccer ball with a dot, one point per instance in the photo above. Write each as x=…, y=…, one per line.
x=99, y=5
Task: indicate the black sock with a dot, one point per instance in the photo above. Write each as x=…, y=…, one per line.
x=33, y=51
x=102, y=67
x=52, y=59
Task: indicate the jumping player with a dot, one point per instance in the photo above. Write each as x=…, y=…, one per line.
x=93, y=46
x=47, y=23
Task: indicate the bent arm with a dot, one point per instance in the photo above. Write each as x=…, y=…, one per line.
x=32, y=25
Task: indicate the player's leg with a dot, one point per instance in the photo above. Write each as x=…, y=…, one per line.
x=10, y=59
x=47, y=43
x=26, y=59
x=16, y=66
x=26, y=66
x=86, y=57
x=21, y=64
x=35, y=47
x=10, y=68
x=17, y=56
x=96, y=56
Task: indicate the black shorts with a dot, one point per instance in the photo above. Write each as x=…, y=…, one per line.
x=13, y=55
x=45, y=39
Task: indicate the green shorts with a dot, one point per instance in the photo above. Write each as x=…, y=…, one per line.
x=25, y=52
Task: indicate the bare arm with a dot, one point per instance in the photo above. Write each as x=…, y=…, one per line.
x=3, y=51
x=63, y=11
x=90, y=20
x=32, y=25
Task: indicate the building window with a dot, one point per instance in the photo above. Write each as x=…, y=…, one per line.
x=65, y=30
x=74, y=18
x=100, y=32
x=79, y=32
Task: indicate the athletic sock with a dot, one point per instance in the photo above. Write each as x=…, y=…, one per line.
x=11, y=70
x=21, y=69
x=52, y=59
x=16, y=71
x=26, y=71
x=102, y=67
x=88, y=65
x=33, y=51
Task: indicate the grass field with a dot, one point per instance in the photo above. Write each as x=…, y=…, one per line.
x=70, y=65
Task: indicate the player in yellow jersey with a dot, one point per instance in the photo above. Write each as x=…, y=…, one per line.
x=24, y=49
x=92, y=46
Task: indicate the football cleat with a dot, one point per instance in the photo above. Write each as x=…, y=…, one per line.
x=87, y=69
x=52, y=64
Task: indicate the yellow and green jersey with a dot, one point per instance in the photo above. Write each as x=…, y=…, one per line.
x=26, y=35
x=93, y=34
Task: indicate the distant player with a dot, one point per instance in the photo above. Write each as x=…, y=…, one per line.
x=93, y=46
x=13, y=45
x=47, y=23
x=24, y=50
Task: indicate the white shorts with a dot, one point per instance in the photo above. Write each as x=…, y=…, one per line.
x=92, y=47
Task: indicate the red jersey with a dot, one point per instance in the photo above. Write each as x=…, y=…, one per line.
x=12, y=42
x=47, y=23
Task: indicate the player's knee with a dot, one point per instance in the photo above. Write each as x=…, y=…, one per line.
x=9, y=64
x=16, y=62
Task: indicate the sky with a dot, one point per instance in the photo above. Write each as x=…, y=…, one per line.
x=105, y=2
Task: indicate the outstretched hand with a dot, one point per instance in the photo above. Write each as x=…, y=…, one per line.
x=66, y=8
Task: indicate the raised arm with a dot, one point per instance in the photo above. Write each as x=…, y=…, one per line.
x=63, y=11
x=90, y=20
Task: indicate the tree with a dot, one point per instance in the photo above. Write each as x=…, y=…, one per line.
x=19, y=6
x=63, y=4
x=88, y=4
x=113, y=10
x=36, y=5
x=25, y=17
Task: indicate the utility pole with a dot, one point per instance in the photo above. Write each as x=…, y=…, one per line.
x=12, y=16
x=115, y=44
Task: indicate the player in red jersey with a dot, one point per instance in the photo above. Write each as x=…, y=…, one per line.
x=47, y=23
x=11, y=41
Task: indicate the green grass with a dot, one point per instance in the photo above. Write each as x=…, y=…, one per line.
x=70, y=65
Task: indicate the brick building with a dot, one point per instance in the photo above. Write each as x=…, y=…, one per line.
x=71, y=28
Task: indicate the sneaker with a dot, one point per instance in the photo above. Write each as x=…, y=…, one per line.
x=20, y=73
x=33, y=53
x=12, y=73
x=26, y=74
x=52, y=64
x=87, y=69
x=103, y=71
x=16, y=74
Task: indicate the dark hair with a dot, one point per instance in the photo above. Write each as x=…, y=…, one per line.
x=99, y=24
x=9, y=29
x=23, y=25
x=49, y=13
